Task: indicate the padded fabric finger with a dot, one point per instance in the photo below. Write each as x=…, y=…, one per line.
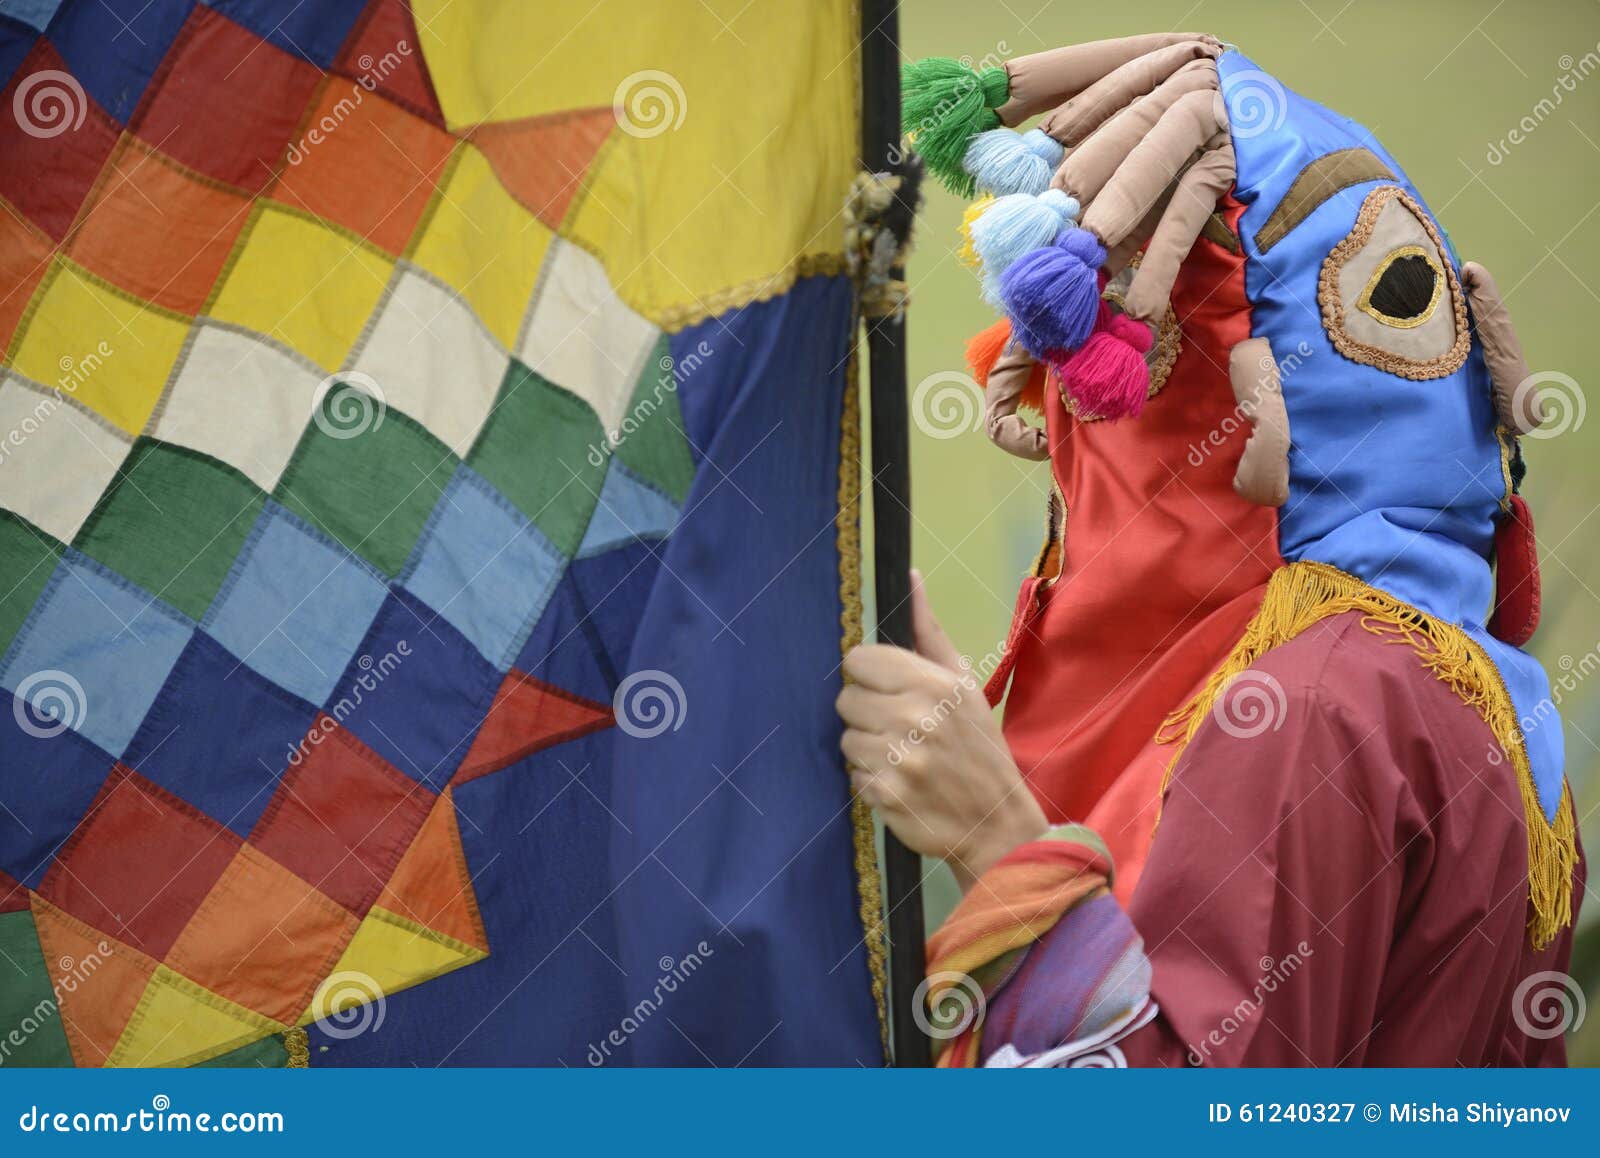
x=1088, y=168
x=1119, y=255
x=1042, y=80
x=1070, y=123
x=1263, y=473
x=1005, y=427
x=1155, y=161
x=1502, y=351
x=1194, y=200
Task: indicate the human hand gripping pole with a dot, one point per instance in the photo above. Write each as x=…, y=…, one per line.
x=926, y=751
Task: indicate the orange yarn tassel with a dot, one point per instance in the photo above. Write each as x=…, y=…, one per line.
x=984, y=350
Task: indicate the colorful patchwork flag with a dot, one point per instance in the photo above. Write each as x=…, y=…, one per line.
x=427, y=535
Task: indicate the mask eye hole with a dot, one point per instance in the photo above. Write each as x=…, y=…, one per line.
x=1405, y=290
x=1389, y=294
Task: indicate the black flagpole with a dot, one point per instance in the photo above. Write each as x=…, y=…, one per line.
x=891, y=499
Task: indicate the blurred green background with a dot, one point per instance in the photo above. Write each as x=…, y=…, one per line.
x=1442, y=83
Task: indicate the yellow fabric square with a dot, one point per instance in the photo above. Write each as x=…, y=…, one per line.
x=309, y=286
x=179, y=1023
x=102, y=348
x=738, y=121
x=483, y=243
x=387, y=954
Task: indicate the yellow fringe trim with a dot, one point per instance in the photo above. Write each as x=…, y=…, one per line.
x=298, y=1045
x=967, y=255
x=1302, y=594
x=847, y=525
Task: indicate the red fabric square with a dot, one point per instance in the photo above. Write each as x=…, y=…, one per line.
x=140, y=863
x=13, y=894
x=384, y=51
x=225, y=102
x=342, y=817
x=52, y=142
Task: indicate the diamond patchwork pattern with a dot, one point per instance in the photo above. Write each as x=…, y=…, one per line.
x=310, y=412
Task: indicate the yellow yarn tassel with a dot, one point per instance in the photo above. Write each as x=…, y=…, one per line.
x=1302, y=594
x=967, y=255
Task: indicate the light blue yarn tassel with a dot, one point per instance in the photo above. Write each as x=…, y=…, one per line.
x=1015, y=225
x=1004, y=161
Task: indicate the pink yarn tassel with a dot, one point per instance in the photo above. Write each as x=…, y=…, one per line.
x=1107, y=376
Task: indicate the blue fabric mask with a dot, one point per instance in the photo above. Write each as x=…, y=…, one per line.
x=1394, y=480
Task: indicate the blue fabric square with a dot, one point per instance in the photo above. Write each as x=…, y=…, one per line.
x=629, y=509
x=47, y=782
x=220, y=736
x=313, y=31
x=114, y=53
x=16, y=41
x=35, y=14
x=615, y=589
x=417, y=692
x=565, y=648
x=483, y=566
x=296, y=605
x=117, y=643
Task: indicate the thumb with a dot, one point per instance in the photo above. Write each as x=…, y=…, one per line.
x=932, y=642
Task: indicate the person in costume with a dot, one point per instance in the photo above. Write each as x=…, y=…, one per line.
x=1276, y=784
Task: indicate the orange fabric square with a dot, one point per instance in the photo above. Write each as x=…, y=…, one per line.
x=432, y=885
x=157, y=231
x=24, y=257
x=263, y=938
x=97, y=981
x=364, y=163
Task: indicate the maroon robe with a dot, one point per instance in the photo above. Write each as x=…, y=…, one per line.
x=1348, y=887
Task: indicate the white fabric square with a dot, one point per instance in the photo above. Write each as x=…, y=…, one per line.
x=432, y=358
x=583, y=338
x=239, y=398
x=54, y=459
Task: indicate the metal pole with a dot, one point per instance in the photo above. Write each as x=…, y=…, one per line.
x=891, y=505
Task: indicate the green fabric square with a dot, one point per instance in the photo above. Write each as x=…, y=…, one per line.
x=651, y=437
x=27, y=560
x=173, y=520
x=267, y=1054
x=544, y=449
x=30, y=1019
x=370, y=486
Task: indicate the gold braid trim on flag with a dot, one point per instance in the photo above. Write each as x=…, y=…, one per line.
x=298, y=1046
x=759, y=290
x=1302, y=594
x=847, y=523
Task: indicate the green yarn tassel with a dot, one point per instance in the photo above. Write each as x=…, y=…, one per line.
x=943, y=103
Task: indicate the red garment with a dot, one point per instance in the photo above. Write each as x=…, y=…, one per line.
x=1162, y=566
x=1348, y=887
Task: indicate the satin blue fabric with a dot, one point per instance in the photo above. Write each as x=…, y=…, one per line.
x=1394, y=481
